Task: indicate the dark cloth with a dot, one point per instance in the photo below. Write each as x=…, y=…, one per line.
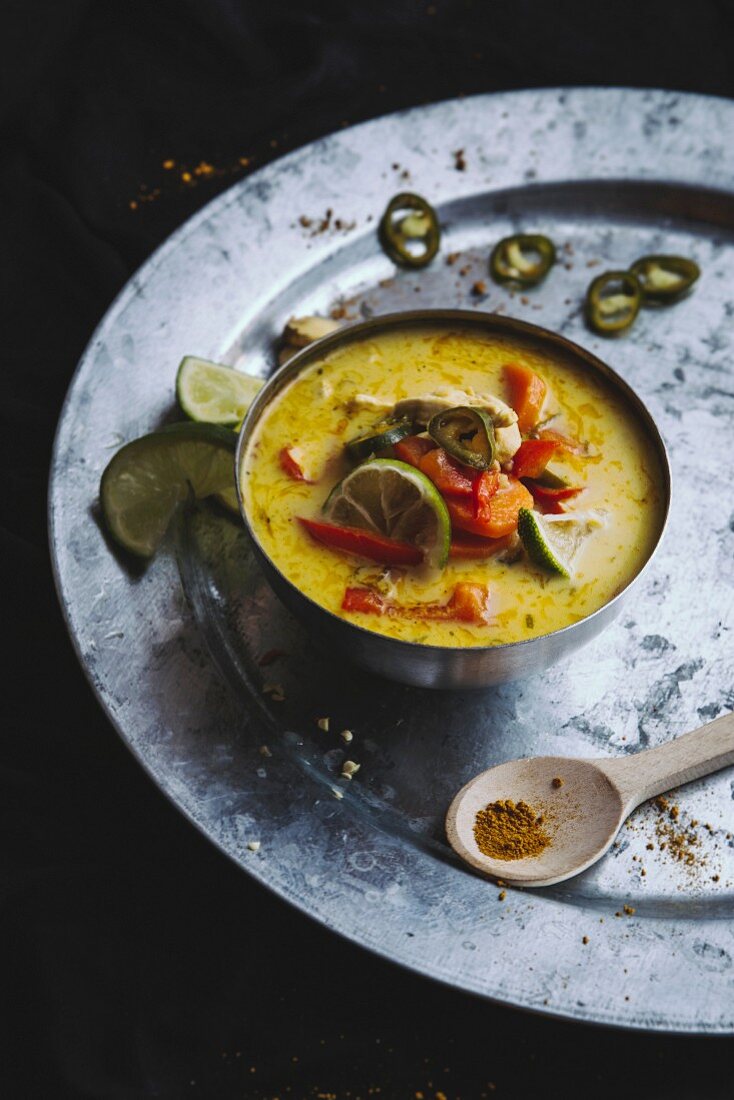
x=136, y=960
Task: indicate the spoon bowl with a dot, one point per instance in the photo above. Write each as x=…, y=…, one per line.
x=582, y=815
x=583, y=802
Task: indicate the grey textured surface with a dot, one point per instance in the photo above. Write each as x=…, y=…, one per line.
x=614, y=174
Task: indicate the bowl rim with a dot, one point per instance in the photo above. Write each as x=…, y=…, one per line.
x=415, y=318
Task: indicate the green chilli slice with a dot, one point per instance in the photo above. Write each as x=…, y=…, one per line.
x=467, y=434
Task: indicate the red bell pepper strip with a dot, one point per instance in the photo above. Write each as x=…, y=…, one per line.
x=550, y=499
x=532, y=457
x=563, y=442
x=483, y=489
x=365, y=544
x=503, y=510
x=290, y=465
x=469, y=603
x=364, y=600
x=413, y=448
x=448, y=475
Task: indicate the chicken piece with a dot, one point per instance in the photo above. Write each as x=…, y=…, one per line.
x=506, y=432
x=301, y=331
x=420, y=409
x=508, y=441
x=366, y=401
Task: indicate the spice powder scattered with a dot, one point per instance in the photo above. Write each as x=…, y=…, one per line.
x=681, y=841
x=510, y=830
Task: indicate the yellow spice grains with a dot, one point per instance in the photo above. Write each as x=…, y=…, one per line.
x=510, y=830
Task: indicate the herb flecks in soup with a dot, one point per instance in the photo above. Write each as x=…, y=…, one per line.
x=453, y=489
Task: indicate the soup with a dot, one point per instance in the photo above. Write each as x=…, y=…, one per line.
x=505, y=433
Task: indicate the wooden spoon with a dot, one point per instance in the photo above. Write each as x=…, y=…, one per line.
x=584, y=814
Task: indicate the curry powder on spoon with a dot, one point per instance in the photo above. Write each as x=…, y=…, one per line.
x=510, y=830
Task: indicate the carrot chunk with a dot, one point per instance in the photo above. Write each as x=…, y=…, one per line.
x=470, y=604
x=527, y=392
x=473, y=547
x=500, y=518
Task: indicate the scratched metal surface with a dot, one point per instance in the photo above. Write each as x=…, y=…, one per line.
x=613, y=174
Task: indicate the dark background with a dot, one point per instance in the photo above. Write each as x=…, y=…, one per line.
x=136, y=960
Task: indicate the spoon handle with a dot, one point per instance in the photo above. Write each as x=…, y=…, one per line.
x=682, y=760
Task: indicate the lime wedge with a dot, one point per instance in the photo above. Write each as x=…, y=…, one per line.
x=213, y=394
x=554, y=541
x=147, y=478
x=396, y=500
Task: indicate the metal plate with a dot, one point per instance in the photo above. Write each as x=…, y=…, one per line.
x=611, y=175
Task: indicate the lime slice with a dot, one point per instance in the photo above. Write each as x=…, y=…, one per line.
x=147, y=478
x=396, y=500
x=554, y=541
x=213, y=394
x=229, y=500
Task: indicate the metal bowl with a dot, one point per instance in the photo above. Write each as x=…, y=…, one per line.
x=414, y=662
